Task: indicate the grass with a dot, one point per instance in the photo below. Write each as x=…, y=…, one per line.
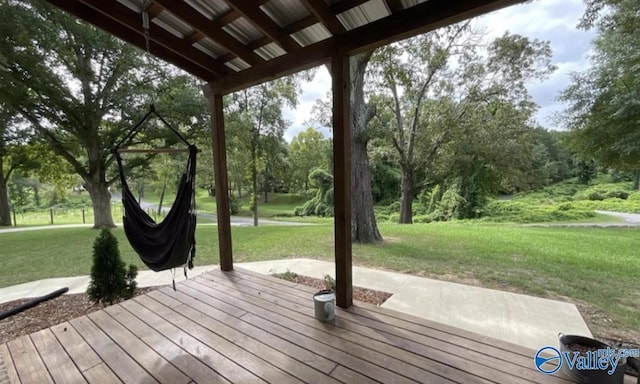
x=595, y=266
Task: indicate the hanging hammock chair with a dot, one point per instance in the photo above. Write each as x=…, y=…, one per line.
x=170, y=243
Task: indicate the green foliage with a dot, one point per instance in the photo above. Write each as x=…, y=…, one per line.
x=306, y=153
x=110, y=280
x=287, y=275
x=234, y=204
x=322, y=203
x=519, y=212
x=603, y=110
x=329, y=282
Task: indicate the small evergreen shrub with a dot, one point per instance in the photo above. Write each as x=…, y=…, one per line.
x=110, y=280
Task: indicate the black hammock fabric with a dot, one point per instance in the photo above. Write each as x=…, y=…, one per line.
x=170, y=243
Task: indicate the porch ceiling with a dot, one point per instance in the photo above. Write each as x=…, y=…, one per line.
x=233, y=44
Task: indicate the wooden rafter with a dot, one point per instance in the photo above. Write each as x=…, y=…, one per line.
x=254, y=14
x=395, y=6
x=346, y=5
x=421, y=18
x=201, y=23
x=123, y=15
x=321, y=11
x=89, y=14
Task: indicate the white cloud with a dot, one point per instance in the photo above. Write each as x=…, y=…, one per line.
x=552, y=20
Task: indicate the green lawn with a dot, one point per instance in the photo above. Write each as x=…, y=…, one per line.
x=595, y=266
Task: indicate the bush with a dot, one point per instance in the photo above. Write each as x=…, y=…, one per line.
x=110, y=280
x=234, y=204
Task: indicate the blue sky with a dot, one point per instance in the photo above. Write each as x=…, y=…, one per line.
x=552, y=20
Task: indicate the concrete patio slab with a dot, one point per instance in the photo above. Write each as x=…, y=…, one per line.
x=520, y=319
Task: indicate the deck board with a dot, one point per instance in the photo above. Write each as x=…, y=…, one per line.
x=59, y=365
x=242, y=327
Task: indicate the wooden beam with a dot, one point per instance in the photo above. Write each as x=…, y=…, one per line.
x=395, y=6
x=115, y=28
x=201, y=23
x=341, y=88
x=133, y=21
x=422, y=18
x=307, y=57
x=346, y=5
x=321, y=11
x=154, y=150
x=222, y=189
x=255, y=15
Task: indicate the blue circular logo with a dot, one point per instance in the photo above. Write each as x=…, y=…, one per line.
x=551, y=356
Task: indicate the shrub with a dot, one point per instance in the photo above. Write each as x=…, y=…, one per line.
x=618, y=194
x=234, y=205
x=110, y=280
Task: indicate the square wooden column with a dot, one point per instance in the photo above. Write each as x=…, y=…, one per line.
x=341, y=87
x=220, y=171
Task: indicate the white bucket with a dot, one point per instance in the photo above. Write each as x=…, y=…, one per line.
x=325, y=305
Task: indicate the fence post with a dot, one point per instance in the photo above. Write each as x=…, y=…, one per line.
x=15, y=222
x=83, y=221
x=51, y=214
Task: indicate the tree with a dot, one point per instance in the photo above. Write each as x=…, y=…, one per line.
x=255, y=117
x=364, y=228
x=110, y=279
x=305, y=155
x=410, y=71
x=77, y=86
x=11, y=159
x=444, y=88
x=603, y=111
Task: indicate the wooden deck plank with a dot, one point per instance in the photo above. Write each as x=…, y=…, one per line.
x=395, y=370
x=437, y=362
x=261, y=346
x=118, y=361
x=27, y=361
x=59, y=364
x=363, y=328
x=245, y=357
x=146, y=357
x=377, y=315
x=410, y=322
x=10, y=368
x=100, y=374
x=243, y=327
x=211, y=305
x=188, y=364
x=225, y=367
x=74, y=345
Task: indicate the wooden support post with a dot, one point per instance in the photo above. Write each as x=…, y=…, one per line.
x=222, y=190
x=341, y=85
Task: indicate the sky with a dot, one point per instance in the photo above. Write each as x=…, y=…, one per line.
x=551, y=20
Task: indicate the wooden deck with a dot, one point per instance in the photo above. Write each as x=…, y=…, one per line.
x=243, y=327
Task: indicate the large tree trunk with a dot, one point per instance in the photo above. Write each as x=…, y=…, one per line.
x=406, y=201
x=364, y=228
x=5, y=209
x=636, y=180
x=101, y=201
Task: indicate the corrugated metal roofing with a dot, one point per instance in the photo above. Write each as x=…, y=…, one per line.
x=251, y=41
x=285, y=12
x=364, y=14
x=243, y=30
x=211, y=9
x=270, y=51
x=312, y=34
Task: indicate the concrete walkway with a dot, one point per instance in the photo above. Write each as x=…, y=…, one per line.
x=525, y=320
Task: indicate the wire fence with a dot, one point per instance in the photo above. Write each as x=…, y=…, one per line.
x=76, y=215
